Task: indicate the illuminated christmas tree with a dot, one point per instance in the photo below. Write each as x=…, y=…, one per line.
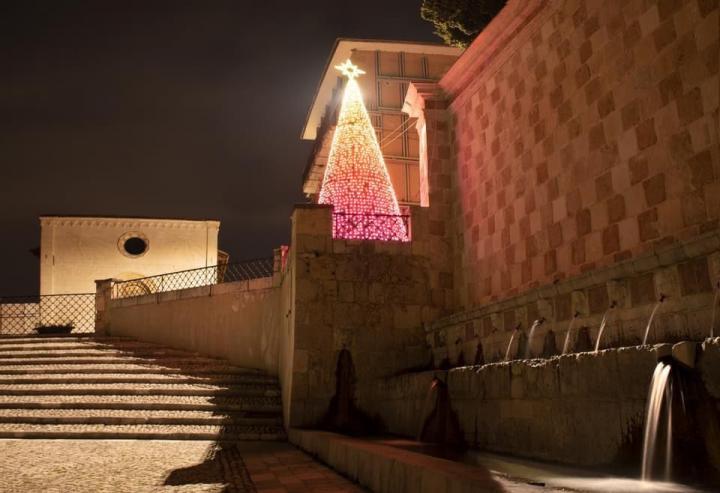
x=356, y=181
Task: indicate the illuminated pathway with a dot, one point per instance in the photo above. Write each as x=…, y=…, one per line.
x=89, y=466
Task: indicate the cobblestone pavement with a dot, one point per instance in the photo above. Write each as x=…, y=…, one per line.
x=98, y=466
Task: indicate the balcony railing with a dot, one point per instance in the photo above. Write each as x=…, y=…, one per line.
x=383, y=227
x=194, y=278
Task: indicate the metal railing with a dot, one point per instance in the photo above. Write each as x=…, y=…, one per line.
x=194, y=278
x=384, y=227
x=53, y=313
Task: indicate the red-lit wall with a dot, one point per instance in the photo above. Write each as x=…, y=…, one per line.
x=585, y=133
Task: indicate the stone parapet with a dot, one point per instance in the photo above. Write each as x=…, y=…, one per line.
x=390, y=466
x=103, y=296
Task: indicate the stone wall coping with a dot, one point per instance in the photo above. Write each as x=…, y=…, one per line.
x=411, y=472
x=698, y=246
x=489, y=44
x=260, y=284
x=129, y=222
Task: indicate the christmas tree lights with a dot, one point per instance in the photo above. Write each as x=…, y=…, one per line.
x=356, y=181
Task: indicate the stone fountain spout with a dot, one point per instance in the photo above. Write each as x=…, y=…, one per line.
x=537, y=323
x=652, y=316
x=603, y=323
x=566, y=345
x=514, y=335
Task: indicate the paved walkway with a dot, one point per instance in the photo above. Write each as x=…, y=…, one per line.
x=98, y=466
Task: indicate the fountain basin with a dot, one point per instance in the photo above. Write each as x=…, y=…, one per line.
x=547, y=409
x=685, y=352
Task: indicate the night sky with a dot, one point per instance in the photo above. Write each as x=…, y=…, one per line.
x=189, y=109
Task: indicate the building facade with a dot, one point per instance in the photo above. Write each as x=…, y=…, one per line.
x=76, y=251
x=389, y=68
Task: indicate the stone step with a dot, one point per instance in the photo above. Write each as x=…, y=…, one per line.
x=91, y=352
x=38, y=339
x=139, y=389
x=88, y=344
x=134, y=402
x=141, y=432
x=130, y=368
x=137, y=416
x=100, y=359
x=117, y=388
x=125, y=378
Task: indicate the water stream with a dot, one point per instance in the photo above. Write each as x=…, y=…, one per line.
x=652, y=316
x=535, y=325
x=668, y=435
x=659, y=391
x=512, y=338
x=566, y=346
x=603, y=323
x=714, y=311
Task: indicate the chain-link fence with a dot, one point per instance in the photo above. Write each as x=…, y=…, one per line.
x=194, y=278
x=47, y=314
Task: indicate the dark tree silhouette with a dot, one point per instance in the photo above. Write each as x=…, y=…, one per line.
x=458, y=22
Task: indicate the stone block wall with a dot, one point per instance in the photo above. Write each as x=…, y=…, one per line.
x=544, y=409
x=238, y=321
x=685, y=275
x=369, y=297
x=586, y=133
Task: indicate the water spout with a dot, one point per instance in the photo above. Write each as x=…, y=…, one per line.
x=603, y=323
x=652, y=315
x=566, y=346
x=535, y=325
x=516, y=331
x=659, y=390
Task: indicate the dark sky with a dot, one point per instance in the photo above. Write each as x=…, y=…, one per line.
x=171, y=108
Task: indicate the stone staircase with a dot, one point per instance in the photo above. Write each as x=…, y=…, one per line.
x=93, y=387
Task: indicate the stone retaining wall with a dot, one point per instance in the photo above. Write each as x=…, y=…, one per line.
x=239, y=321
x=583, y=409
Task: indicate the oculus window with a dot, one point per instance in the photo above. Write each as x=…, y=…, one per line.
x=133, y=244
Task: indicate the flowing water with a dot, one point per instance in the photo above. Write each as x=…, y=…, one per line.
x=603, y=323
x=668, y=436
x=535, y=325
x=659, y=391
x=650, y=320
x=512, y=338
x=566, y=346
x=714, y=310
x=427, y=407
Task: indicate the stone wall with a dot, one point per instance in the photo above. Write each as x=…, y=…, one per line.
x=371, y=298
x=585, y=133
x=684, y=275
x=239, y=321
x=544, y=409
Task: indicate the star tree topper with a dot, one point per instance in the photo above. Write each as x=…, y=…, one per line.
x=350, y=70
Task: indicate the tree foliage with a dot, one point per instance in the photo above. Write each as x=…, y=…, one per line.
x=458, y=22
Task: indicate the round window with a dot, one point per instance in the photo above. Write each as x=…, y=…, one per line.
x=133, y=244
